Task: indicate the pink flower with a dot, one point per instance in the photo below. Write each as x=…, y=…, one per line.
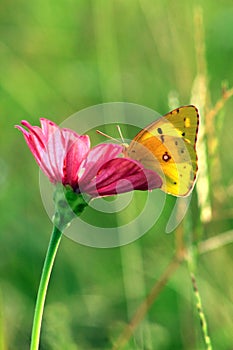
x=65, y=157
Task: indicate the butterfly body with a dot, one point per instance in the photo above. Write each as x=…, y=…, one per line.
x=168, y=146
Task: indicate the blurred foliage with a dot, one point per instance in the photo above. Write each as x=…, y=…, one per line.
x=60, y=57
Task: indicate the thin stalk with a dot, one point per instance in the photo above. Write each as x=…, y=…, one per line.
x=42, y=291
x=146, y=304
x=203, y=321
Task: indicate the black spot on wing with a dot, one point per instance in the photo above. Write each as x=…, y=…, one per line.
x=160, y=131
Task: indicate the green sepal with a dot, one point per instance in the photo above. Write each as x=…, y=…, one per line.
x=68, y=205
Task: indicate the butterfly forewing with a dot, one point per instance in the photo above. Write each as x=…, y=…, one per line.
x=168, y=146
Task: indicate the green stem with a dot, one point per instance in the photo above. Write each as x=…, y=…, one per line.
x=147, y=303
x=47, y=268
x=201, y=313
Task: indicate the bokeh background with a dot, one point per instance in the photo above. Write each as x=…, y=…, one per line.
x=57, y=58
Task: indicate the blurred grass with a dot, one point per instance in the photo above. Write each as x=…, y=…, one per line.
x=57, y=58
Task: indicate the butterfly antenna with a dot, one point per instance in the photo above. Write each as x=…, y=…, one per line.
x=120, y=133
x=108, y=136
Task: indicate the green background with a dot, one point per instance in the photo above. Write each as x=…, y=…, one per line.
x=56, y=58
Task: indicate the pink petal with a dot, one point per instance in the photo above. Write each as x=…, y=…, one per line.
x=77, y=151
x=31, y=142
x=48, y=127
x=35, y=141
x=55, y=153
x=47, y=137
x=98, y=156
x=58, y=151
x=61, y=144
x=122, y=175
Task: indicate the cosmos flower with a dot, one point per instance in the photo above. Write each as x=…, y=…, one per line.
x=66, y=157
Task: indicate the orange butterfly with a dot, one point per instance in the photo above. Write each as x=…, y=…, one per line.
x=168, y=146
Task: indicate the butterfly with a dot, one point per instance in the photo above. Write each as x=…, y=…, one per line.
x=168, y=146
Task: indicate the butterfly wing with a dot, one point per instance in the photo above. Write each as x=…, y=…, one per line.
x=168, y=146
